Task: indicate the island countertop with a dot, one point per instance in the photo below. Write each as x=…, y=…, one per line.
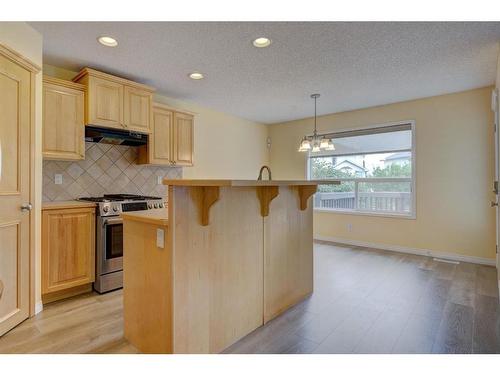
x=224, y=182
x=156, y=216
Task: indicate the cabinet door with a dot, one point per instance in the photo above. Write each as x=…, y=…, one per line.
x=161, y=139
x=105, y=103
x=183, y=139
x=137, y=109
x=68, y=248
x=63, y=128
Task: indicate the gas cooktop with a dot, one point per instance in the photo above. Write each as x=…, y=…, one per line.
x=118, y=198
x=115, y=204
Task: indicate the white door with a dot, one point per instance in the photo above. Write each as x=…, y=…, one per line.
x=15, y=144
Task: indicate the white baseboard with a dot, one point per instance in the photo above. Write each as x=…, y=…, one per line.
x=38, y=307
x=410, y=250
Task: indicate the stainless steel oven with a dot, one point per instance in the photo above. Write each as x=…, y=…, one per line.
x=109, y=235
x=109, y=253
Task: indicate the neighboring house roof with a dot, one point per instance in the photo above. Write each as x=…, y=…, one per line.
x=398, y=156
x=349, y=164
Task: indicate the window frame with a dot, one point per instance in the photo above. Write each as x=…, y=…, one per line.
x=412, y=179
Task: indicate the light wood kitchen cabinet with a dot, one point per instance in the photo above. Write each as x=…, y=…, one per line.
x=159, y=148
x=105, y=103
x=183, y=139
x=68, y=250
x=63, y=127
x=137, y=109
x=171, y=140
x=114, y=102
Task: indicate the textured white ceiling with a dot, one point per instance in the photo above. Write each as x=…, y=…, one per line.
x=352, y=65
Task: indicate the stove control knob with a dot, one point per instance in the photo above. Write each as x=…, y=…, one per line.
x=105, y=208
x=150, y=206
x=161, y=205
x=115, y=208
x=156, y=205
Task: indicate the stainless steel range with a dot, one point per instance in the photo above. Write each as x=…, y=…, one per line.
x=109, y=235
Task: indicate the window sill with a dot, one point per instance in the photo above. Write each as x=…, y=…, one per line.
x=367, y=213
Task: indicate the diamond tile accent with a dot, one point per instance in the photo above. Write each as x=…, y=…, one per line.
x=95, y=171
x=131, y=171
x=104, y=162
x=122, y=163
x=107, y=169
x=74, y=170
x=94, y=153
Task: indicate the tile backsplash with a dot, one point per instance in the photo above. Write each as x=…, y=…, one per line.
x=107, y=169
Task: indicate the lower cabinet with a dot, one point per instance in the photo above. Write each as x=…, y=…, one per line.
x=68, y=252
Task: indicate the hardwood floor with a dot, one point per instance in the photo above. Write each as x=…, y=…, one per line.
x=365, y=301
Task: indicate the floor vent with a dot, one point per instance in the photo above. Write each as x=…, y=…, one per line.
x=445, y=260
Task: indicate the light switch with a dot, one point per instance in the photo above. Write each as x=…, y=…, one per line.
x=158, y=180
x=58, y=179
x=160, y=238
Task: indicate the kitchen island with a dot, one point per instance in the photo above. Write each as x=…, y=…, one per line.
x=227, y=257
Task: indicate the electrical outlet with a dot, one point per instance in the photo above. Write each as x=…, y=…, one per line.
x=159, y=180
x=349, y=227
x=160, y=238
x=58, y=179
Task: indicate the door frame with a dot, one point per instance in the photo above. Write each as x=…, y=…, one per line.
x=34, y=69
x=495, y=107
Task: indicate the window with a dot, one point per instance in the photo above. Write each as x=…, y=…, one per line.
x=375, y=167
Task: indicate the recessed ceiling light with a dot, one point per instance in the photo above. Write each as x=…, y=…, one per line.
x=107, y=41
x=196, y=76
x=262, y=42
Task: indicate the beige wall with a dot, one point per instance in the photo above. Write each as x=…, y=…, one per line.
x=225, y=146
x=454, y=168
x=28, y=42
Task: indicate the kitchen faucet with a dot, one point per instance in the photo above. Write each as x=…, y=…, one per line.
x=262, y=170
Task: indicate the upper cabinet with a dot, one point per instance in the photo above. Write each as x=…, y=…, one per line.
x=104, y=103
x=137, y=109
x=159, y=148
x=115, y=102
x=183, y=139
x=63, y=130
x=171, y=139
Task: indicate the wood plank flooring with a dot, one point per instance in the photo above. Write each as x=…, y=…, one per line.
x=365, y=301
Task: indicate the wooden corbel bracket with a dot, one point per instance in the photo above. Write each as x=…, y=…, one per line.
x=266, y=194
x=208, y=195
x=305, y=191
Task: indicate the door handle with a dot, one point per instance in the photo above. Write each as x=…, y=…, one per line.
x=26, y=207
x=493, y=204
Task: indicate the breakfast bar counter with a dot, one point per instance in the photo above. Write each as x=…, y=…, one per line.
x=230, y=256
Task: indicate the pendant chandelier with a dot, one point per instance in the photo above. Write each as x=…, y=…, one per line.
x=316, y=142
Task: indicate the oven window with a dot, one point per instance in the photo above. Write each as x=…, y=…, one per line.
x=114, y=241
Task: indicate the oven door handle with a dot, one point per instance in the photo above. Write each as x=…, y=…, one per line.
x=112, y=221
